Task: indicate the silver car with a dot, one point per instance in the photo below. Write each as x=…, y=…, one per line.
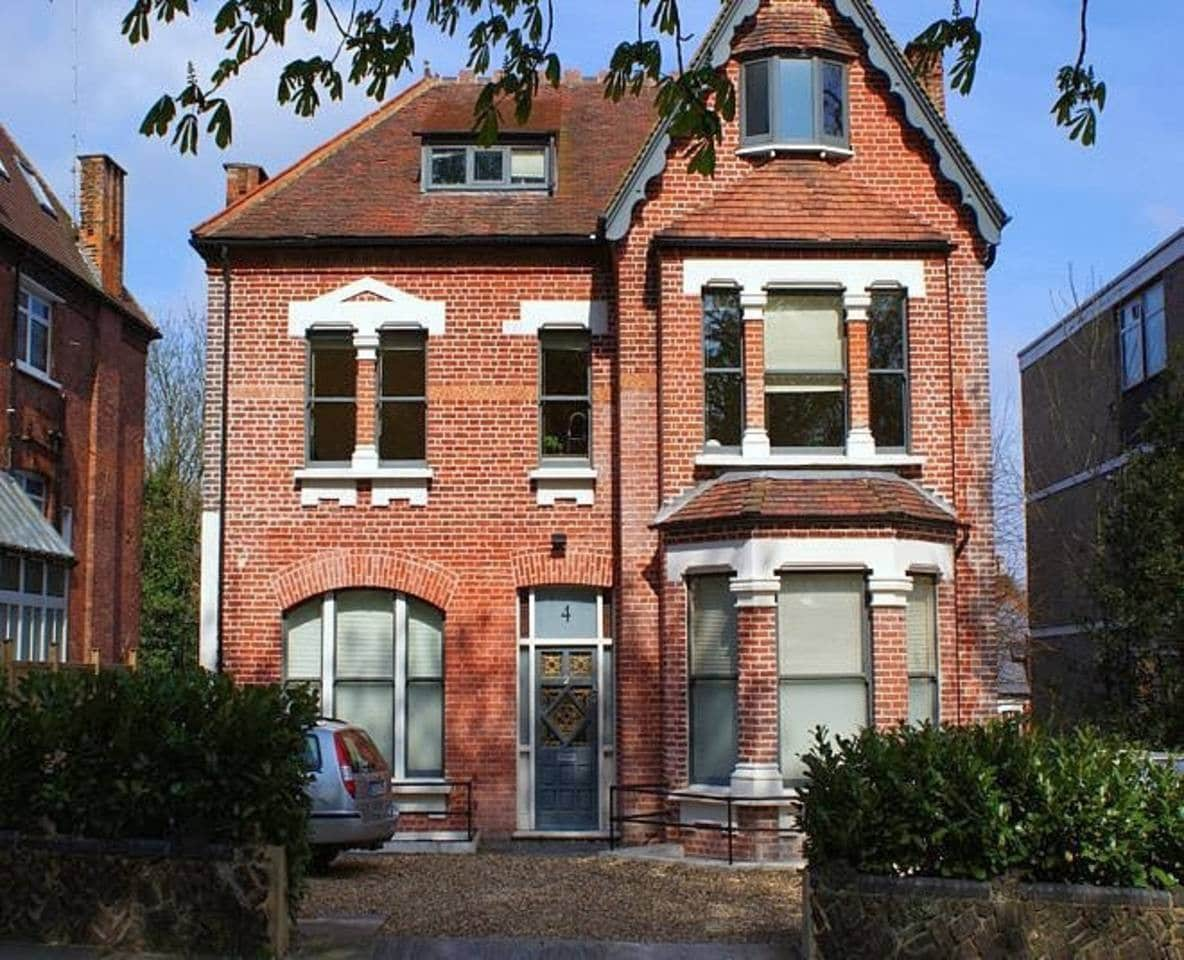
x=350, y=786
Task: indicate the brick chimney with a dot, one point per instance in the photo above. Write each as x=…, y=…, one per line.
x=934, y=81
x=241, y=179
x=100, y=218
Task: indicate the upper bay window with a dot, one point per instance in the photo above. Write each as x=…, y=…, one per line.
x=332, y=399
x=888, y=377
x=33, y=326
x=499, y=167
x=723, y=368
x=402, y=398
x=565, y=396
x=805, y=371
x=1144, y=336
x=794, y=101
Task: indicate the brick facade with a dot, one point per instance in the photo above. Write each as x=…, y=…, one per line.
x=483, y=536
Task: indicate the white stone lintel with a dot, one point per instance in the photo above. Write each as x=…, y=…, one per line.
x=536, y=315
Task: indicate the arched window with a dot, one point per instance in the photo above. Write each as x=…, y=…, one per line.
x=376, y=658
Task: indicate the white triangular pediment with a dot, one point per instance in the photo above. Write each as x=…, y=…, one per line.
x=366, y=306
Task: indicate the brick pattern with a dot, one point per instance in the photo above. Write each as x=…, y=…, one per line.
x=890, y=689
x=858, y=402
x=756, y=685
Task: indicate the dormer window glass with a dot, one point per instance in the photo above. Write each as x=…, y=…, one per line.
x=795, y=102
x=500, y=167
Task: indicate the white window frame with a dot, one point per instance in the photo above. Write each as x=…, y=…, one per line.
x=329, y=678
x=14, y=604
x=774, y=139
x=1132, y=320
x=505, y=183
x=26, y=299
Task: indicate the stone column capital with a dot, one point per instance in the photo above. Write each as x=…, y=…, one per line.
x=856, y=306
x=756, y=592
x=889, y=591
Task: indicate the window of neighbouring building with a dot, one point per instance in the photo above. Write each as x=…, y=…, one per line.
x=34, y=324
x=711, y=678
x=565, y=396
x=1143, y=334
x=497, y=167
x=794, y=101
x=823, y=659
x=805, y=371
x=922, y=655
x=402, y=398
x=331, y=421
x=376, y=659
x=723, y=368
x=35, y=487
x=33, y=606
x=888, y=378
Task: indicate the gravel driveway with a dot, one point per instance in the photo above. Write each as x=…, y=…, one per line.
x=566, y=897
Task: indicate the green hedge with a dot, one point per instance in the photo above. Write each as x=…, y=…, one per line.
x=178, y=755
x=981, y=802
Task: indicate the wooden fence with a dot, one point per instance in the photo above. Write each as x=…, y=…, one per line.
x=13, y=670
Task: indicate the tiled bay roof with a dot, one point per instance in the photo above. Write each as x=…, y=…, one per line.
x=803, y=26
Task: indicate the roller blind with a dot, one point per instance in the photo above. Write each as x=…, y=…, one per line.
x=820, y=623
x=922, y=627
x=803, y=332
x=425, y=641
x=302, y=628
x=713, y=626
x=365, y=633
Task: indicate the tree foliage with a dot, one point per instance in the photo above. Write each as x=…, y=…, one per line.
x=172, y=495
x=374, y=44
x=1139, y=581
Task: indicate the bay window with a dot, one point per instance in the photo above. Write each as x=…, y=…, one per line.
x=331, y=400
x=712, y=678
x=805, y=371
x=402, y=398
x=376, y=659
x=922, y=650
x=822, y=639
x=794, y=101
x=33, y=605
x=565, y=396
x=888, y=379
x=723, y=368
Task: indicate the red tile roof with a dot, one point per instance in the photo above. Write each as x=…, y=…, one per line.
x=22, y=215
x=366, y=182
x=803, y=198
x=807, y=497
x=805, y=26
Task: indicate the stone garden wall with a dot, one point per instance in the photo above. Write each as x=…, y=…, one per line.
x=853, y=917
x=141, y=896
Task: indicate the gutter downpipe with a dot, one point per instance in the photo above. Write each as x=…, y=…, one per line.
x=223, y=445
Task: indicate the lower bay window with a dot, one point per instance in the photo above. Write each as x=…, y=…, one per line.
x=331, y=399
x=805, y=371
x=712, y=678
x=822, y=633
x=33, y=606
x=888, y=380
x=922, y=650
x=375, y=658
x=402, y=398
x=565, y=397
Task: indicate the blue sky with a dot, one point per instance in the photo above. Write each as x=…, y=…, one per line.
x=1092, y=211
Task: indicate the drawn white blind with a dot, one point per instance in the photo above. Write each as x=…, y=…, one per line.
x=820, y=623
x=922, y=626
x=803, y=333
x=713, y=626
x=302, y=627
x=365, y=633
x=425, y=641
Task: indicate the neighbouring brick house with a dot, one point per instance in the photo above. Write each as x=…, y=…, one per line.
x=499, y=421
x=1086, y=381
x=75, y=344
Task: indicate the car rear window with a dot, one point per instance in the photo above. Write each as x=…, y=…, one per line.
x=312, y=753
x=364, y=755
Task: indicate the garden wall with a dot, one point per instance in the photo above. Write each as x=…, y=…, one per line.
x=853, y=916
x=144, y=896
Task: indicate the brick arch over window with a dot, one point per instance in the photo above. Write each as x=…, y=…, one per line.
x=343, y=569
x=586, y=568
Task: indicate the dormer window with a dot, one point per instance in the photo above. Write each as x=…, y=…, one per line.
x=500, y=167
x=794, y=103
x=37, y=187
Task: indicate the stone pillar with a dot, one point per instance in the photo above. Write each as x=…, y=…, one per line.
x=755, y=442
x=890, y=656
x=365, y=447
x=860, y=442
x=758, y=768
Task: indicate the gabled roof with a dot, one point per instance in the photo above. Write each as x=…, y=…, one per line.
x=953, y=161
x=804, y=497
x=802, y=200
x=49, y=230
x=365, y=183
x=23, y=528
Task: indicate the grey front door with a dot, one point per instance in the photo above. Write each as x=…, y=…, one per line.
x=567, y=740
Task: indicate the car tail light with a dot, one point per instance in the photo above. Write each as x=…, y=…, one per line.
x=347, y=772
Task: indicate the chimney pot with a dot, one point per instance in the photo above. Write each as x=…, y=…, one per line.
x=100, y=219
x=242, y=179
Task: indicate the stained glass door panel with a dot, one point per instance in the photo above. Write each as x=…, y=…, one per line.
x=567, y=740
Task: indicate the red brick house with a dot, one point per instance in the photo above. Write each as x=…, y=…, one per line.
x=74, y=345
x=559, y=467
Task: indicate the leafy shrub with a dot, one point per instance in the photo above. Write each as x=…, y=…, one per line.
x=981, y=802
x=179, y=755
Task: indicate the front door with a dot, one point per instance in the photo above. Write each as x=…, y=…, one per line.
x=567, y=741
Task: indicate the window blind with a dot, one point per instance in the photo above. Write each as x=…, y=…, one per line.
x=922, y=626
x=803, y=332
x=713, y=626
x=365, y=634
x=303, y=640
x=820, y=624
x=425, y=641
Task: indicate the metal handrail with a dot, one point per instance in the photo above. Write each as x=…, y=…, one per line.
x=662, y=818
